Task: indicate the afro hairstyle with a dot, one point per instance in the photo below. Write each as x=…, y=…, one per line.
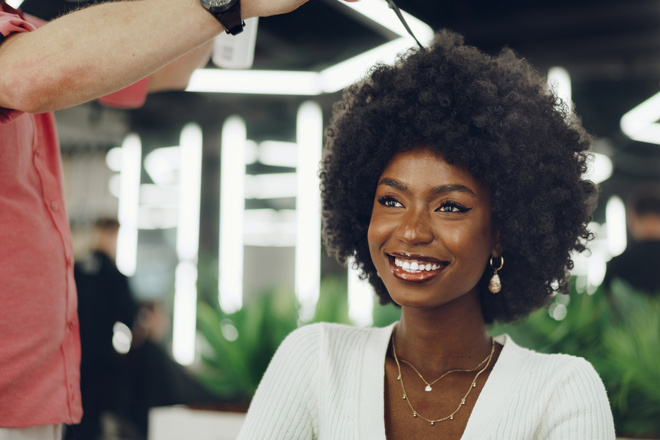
x=496, y=117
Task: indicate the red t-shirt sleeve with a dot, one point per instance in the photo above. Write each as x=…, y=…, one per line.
x=132, y=96
x=11, y=22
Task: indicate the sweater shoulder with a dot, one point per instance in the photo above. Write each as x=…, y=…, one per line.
x=331, y=338
x=554, y=368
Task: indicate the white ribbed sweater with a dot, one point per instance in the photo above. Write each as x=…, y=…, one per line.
x=326, y=381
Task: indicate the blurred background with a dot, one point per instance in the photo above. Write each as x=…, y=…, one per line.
x=215, y=187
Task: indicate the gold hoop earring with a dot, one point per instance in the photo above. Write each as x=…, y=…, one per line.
x=495, y=285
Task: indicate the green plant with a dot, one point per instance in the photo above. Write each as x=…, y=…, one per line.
x=619, y=333
x=629, y=365
x=239, y=346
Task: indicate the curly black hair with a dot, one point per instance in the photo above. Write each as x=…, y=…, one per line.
x=493, y=115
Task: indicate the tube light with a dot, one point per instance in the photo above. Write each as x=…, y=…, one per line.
x=599, y=168
x=615, y=215
x=380, y=13
x=187, y=245
x=271, y=186
x=267, y=82
x=129, y=195
x=640, y=123
x=184, y=320
x=190, y=185
x=232, y=207
x=308, y=208
x=330, y=80
x=360, y=299
x=560, y=81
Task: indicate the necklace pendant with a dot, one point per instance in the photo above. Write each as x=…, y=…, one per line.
x=428, y=388
x=432, y=423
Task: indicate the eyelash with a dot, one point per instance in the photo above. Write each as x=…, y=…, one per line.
x=391, y=202
x=388, y=201
x=453, y=205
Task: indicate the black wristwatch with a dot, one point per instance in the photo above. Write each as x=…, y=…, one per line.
x=227, y=12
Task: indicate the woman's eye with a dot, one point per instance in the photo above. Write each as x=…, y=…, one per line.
x=452, y=207
x=389, y=202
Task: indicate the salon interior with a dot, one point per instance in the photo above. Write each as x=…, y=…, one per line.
x=216, y=191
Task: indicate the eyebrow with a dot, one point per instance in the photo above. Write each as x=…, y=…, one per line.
x=438, y=190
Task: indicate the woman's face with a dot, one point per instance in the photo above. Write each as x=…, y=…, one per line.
x=431, y=234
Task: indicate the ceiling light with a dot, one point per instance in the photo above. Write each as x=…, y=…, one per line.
x=266, y=82
x=599, y=168
x=379, y=12
x=330, y=80
x=559, y=80
x=615, y=218
x=641, y=124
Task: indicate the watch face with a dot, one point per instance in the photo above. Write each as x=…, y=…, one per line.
x=217, y=3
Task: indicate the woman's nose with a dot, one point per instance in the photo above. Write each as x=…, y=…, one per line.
x=415, y=228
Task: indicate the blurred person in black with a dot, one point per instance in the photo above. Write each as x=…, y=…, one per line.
x=123, y=387
x=639, y=264
x=104, y=299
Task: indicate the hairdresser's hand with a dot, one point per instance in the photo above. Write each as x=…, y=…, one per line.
x=265, y=8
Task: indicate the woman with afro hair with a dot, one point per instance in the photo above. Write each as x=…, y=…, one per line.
x=453, y=181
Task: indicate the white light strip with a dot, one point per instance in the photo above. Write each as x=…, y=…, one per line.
x=232, y=206
x=279, y=154
x=190, y=184
x=271, y=186
x=360, y=299
x=379, y=12
x=560, y=80
x=330, y=80
x=615, y=217
x=187, y=245
x=347, y=72
x=308, y=208
x=267, y=82
x=599, y=168
x=129, y=195
x=640, y=123
x=185, y=300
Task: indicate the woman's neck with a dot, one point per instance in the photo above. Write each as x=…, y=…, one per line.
x=449, y=337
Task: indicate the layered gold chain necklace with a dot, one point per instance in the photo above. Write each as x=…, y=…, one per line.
x=428, y=388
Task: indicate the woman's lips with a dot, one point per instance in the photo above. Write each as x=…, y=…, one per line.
x=409, y=268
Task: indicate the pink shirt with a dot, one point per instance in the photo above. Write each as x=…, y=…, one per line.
x=39, y=340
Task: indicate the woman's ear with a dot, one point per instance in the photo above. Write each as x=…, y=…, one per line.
x=497, y=249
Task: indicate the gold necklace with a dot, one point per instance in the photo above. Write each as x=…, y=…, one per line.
x=460, y=405
x=428, y=388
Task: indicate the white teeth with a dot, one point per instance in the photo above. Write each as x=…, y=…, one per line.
x=415, y=267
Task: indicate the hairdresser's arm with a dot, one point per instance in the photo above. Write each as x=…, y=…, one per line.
x=98, y=50
x=176, y=75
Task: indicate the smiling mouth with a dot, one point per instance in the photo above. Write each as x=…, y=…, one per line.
x=415, y=269
x=415, y=266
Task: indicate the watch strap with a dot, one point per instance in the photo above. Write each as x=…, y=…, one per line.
x=231, y=20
